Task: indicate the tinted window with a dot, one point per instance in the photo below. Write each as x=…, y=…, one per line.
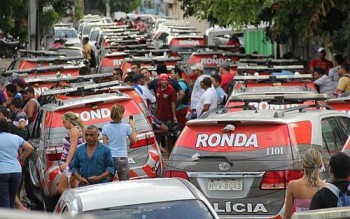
x=65, y=34
x=184, y=209
x=345, y=123
x=331, y=135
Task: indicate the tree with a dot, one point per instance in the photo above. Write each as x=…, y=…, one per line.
x=285, y=19
x=13, y=18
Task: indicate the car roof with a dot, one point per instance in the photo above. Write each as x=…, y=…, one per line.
x=116, y=194
x=294, y=114
x=82, y=101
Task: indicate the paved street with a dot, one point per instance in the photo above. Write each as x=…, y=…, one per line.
x=4, y=63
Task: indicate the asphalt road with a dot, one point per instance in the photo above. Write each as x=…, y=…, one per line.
x=4, y=63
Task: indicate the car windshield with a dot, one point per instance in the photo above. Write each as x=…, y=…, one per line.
x=65, y=34
x=94, y=35
x=182, y=209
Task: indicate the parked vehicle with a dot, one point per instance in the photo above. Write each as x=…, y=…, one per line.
x=151, y=198
x=243, y=161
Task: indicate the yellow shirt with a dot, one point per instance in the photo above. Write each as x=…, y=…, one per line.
x=344, y=83
x=87, y=51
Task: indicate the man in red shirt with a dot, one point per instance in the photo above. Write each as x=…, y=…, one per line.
x=321, y=61
x=226, y=76
x=165, y=107
x=166, y=100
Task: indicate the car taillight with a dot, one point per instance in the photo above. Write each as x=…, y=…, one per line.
x=279, y=179
x=54, y=153
x=144, y=139
x=179, y=174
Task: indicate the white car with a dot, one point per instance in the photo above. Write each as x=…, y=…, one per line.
x=144, y=198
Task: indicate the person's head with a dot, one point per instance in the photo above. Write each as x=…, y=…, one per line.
x=129, y=80
x=198, y=69
x=205, y=83
x=16, y=104
x=339, y=165
x=84, y=70
x=318, y=72
x=224, y=68
x=11, y=90
x=176, y=73
x=136, y=67
x=118, y=74
x=161, y=68
x=312, y=163
x=338, y=59
x=19, y=83
x=342, y=69
x=241, y=50
x=117, y=113
x=4, y=125
x=3, y=112
x=71, y=119
x=146, y=74
x=163, y=80
x=216, y=80
x=91, y=135
x=138, y=79
x=85, y=40
x=28, y=93
x=321, y=53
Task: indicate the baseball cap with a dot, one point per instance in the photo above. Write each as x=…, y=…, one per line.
x=198, y=66
x=321, y=49
x=28, y=90
x=18, y=81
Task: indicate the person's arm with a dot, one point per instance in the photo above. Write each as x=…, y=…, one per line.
x=30, y=110
x=27, y=150
x=104, y=140
x=288, y=212
x=205, y=108
x=75, y=168
x=132, y=136
x=109, y=165
x=341, y=87
x=73, y=135
x=173, y=109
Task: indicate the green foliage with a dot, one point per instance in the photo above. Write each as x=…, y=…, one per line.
x=13, y=18
x=284, y=18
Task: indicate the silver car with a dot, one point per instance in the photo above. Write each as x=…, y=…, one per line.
x=144, y=198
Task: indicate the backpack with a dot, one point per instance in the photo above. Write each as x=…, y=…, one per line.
x=343, y=198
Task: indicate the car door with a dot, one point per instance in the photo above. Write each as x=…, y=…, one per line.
x=333, y=136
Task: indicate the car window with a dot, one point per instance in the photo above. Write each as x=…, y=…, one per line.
x=345, y=123
x=37, y=125
x=331, y=135
x=193, y=209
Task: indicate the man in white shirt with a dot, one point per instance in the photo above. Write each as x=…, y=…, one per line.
x=197, y=91
x=209, y=99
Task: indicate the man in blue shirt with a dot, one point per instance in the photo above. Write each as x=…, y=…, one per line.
x=222, y=96
x=92, y=162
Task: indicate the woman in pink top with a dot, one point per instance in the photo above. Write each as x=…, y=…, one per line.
x=301, y=191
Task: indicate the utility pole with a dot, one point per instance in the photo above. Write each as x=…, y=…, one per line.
x=33, y=24
x=108, y=9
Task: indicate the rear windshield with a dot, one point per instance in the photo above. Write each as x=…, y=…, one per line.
x=182, y=209
x=97, y=116
x=243, y=138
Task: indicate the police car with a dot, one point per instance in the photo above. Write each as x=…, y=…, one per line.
x=242, y=161
x=43, y=170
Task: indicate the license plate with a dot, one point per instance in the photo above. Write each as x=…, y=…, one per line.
x=225, y=185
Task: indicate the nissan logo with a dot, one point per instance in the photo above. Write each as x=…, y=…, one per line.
x=224, y=166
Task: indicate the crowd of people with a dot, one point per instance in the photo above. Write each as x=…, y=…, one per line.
x=172, y=102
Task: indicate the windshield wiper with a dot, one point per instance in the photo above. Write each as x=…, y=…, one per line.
x=197, y=157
